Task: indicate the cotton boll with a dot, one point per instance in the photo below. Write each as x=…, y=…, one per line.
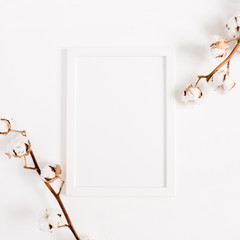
x=222, y=79
x=218, y=78
x=20, y=146
x=5, y=126
x=50, y=219
x=50, y=172
x=219, y=47
x=55, y=220
x=20, y=149
x=218, y=53
x=54, y=217
x=192, y=94
x=228, y=84
x=233, y=27
x=47, y=173
x=212, y=85
x=43, y=222
x=44, y=225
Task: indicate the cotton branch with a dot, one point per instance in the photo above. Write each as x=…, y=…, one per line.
x=57, y=197
x=227, y=60
x=21, y=148
x=218, y=77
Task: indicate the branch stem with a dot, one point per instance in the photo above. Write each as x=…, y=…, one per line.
x=226, y=60
x=199, y=78
x=63, y=226
x=234, y=39
x=22, y=132
x=228, y=67
x=60, y=190
x=57, y=197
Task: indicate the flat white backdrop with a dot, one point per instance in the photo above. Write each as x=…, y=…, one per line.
x=34, y=35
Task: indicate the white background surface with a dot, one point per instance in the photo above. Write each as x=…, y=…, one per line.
x=33, y=36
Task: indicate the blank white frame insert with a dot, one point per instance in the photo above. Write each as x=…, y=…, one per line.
x=120, y=122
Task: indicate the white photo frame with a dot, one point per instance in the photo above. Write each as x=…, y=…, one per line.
x=120, y=122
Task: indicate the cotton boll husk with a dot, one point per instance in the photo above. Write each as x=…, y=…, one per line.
x=19, y=149
x=192, y=94
x=218, y=78
x=184, y=97
x=44, y=225
x=219, y=47
x=50, y=219
x=47, y=173
x=19, y=146
x=51, y=211
x=43, y=222
x=55, y=220
x=218, y=53
x=50, y=172
x=4, y=126
x=54, y=217
x=233, y=27
x=228, y=84
x=212, y=39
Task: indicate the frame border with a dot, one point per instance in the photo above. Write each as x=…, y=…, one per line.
x=72, y=188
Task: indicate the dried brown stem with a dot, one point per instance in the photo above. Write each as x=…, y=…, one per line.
x=234, y=39
x=57, y=197
x=199, y=78
x=63, y=226
x=26, y=167
x=22, y=132
x=228, y=67
x=226, y=60
x=60, y=190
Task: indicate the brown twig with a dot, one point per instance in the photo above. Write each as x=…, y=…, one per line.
x=57, y=197
x=22, y=132
x=226, y=60
x=228, y=67
x=234, y=39
x=199, y=78
x=60, y=190
x=63, y=226
x=26, y=167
